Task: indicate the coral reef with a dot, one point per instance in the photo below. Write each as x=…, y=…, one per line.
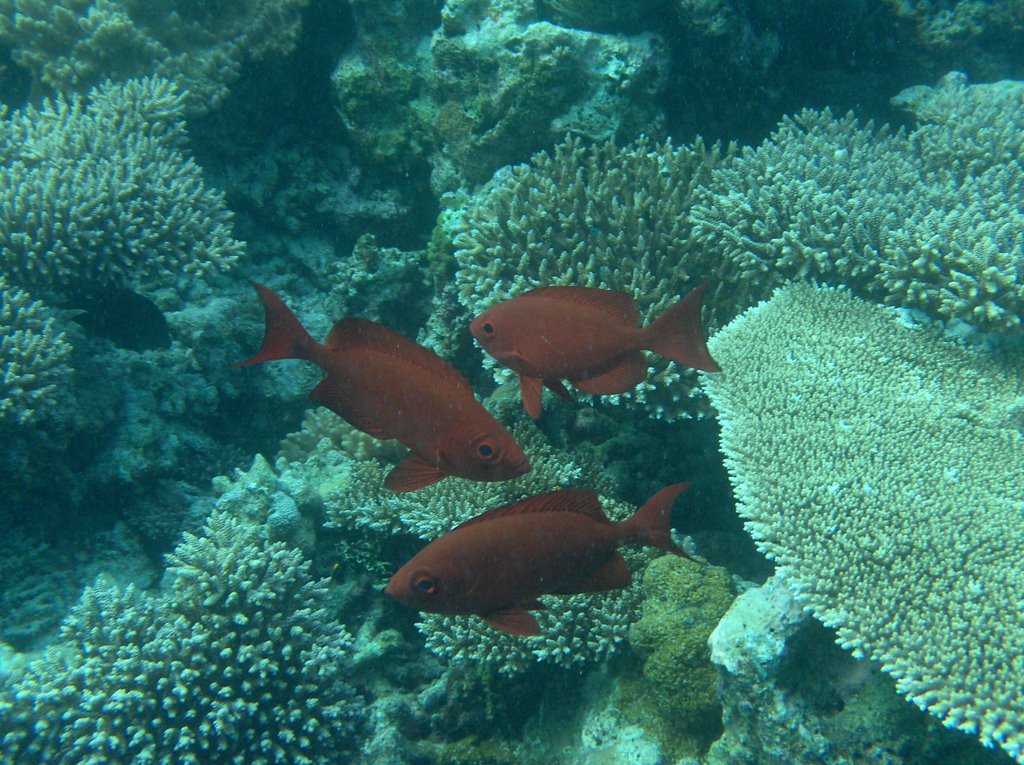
x=493, y=85
x=980, y=34
x=34, y=606
x=36, y=375
x=238, y=659
x=596, y=216
x=877, y=464
x=609, y=16
x=374, y=527
x=543, y=81
x=927, y=219
x=678, y=692
x=100, y=190
x=71, y=46
x=790, y=695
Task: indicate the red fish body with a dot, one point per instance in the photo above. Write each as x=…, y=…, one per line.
x=388, y=386
x=561, y=542
x=589, y=337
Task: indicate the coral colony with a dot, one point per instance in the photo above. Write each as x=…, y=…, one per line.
x=484, y=211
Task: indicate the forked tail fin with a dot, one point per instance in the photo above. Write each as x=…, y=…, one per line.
x=677, y=334
x=284, y=337
x=650, y=524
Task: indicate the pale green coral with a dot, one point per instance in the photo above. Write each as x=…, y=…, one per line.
x=239, y=660
x=879, y=466
x=596, y=216
x=929, y=219
x=683, y=602
x=73, y=45
x=36, y=375
x=101, y=190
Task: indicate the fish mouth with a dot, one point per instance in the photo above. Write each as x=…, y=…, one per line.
x=523, y=466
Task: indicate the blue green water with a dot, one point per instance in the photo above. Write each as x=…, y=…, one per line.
x=193, y=555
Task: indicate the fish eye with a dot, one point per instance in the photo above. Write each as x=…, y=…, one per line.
x=486, y=450
x=488, y=328
x=424, y=584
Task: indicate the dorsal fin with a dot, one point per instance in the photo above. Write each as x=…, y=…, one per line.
x=582, y=501
x=618, y=305
x=355, y=332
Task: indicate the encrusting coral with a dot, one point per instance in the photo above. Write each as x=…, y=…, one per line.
x=879, y=466
x=73, y=45
x=683, y=602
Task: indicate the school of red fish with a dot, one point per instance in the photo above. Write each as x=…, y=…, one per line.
x=497, y=564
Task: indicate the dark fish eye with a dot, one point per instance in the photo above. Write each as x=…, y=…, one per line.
x=488, y=328
x=424, y=584
x=486, y=451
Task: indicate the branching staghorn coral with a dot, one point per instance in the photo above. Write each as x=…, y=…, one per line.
x=879, y=466
x=574, y=629
x=372, y=524
x=321, y=423
x=597, y=216
x=238, y=661
x=358, y=499
x=99, y=190
x=35, y=361
x=71, y=46
x=929, y=219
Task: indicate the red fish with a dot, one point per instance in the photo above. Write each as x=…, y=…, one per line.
x=388, y=386
x=559, y=543
x=589, y=337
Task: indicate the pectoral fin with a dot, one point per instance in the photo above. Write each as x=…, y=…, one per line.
x=413, y=473
x=530, y=389
x=515, y=620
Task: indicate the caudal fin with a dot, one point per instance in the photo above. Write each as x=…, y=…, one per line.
x=650, y=524
x=677, y=334
x=284, y=337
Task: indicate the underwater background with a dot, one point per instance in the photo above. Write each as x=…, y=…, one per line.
x=192, y=556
